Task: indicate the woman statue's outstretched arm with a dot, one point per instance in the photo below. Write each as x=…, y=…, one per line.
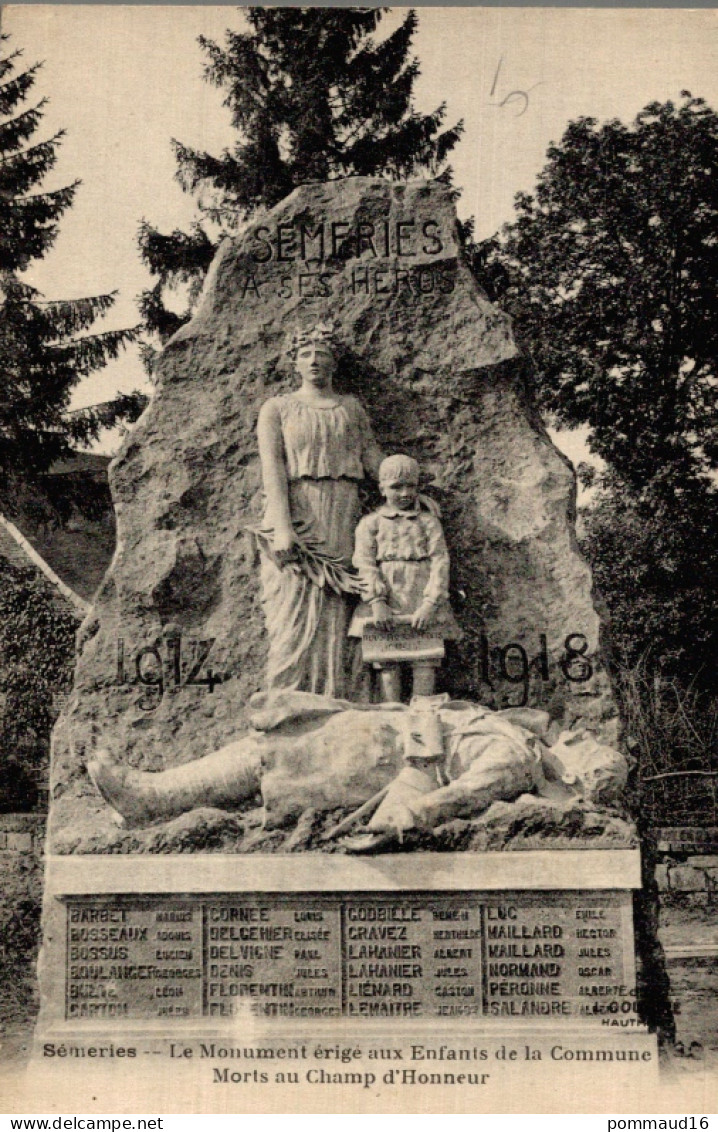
x=274, y=477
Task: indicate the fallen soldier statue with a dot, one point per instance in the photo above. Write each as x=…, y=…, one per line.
x=400, y=767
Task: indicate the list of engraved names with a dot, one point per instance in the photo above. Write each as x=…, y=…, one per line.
x=517, y=955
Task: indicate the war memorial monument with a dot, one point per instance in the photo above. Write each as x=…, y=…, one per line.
x=342, y=759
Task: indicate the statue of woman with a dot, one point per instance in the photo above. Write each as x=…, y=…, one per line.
x=315, y=446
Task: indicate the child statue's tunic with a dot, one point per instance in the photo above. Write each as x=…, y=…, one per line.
x=401, y=558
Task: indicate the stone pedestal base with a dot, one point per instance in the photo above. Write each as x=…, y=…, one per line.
x=253, y=967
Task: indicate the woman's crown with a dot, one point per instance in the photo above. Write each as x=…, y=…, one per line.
x=324, y=332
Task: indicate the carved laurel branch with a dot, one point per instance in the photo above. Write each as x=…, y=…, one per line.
x=312, y=559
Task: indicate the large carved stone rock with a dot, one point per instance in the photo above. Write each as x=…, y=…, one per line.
x=435, y=364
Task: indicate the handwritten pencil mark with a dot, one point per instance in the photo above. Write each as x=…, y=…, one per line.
x=514, y=95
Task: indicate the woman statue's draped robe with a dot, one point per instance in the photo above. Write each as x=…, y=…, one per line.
x=327, y=450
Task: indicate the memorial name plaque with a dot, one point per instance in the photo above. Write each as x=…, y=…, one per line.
x=127, y=960
x=361, y=955
x=283, y=958
x=552, y=957
x=493, y=969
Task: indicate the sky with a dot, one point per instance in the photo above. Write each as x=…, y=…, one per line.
x=124, y=80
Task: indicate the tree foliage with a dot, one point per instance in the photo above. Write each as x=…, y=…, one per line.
x=609, y=271
x=312, y=95
x=37, y=640
x=653, y=561
x=45, y=347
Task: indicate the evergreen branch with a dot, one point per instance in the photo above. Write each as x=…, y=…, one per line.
x=91, y=352
x=313, y=561
x=15, y=290
x=195, y=167
x=56, y=320
x=124, y=408
x=17, y=89
x=157, y=318
x=178, y=257
x=51, y=203
x=8, y=63
x=149, y=356
x=17, y=130
x=25, y=168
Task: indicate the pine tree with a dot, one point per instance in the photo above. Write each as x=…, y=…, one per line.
x=44, y=347
x=313, y=96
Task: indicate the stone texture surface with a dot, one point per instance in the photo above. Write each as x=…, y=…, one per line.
x=536, y=823
x=691, y=879
x=684, y=878
x=437, y=369
x=662, y=877
x=688, y=839
x=529, y=823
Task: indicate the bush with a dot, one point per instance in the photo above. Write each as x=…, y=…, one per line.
x=37, y=644
x=20, y=936
x=672, y=732
x=19, y=945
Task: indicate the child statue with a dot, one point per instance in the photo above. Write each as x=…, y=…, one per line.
x=403, y=565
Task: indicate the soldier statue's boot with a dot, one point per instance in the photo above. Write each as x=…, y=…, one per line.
x=223, y=779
